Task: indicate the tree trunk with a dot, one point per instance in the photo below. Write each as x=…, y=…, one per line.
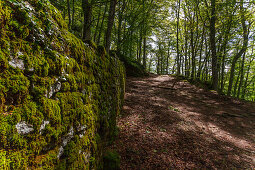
x=200, y=56
x=168, y=55
x=213, y=46
x=102, y=25
x=240, y=53
x=97, y=25
x=87, y=12
x=222, y=71
x=177, y=35
x=110, y=24
x=246, y=82
x=140, y=46
x=144, y=53
x=69, y=14
x=192, y=54
x=120, y=19
x=186, y=49
x=242, y=76
x=73, y=13
x=237, y=80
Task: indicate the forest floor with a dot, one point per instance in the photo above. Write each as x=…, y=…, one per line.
x=183, y=127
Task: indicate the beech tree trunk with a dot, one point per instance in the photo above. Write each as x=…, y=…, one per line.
x=87, y=12
x=69, y=14
x=110, y=25
x=178, y=53
x=240, y=53
x=102, y=24
x=213, y=46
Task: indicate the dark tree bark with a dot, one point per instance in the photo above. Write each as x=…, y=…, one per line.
x=200, y=56
x=240, y=53
x=144, y=52
x=97, y=24
x=246, y=80
x=87, y=12
x=193, y=64
x=140, y=46
x=236, y=83
x=186, y=49
x=73, y=13
x=177, y=45
x=69, y=14
x=241, y=77
x=102, y=25
x=168, y=56
x=110, y=24
x=213, y=46
x=120, y=19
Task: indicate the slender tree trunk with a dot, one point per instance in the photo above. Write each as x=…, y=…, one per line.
x=69, y=14
x=137, y=49
x=205, y=60
x=246, y=82
x=186, y=49
x=236, y=83
x=161, y=63
x=242, y=77
x=223, y=54
x=144, y=36
x=97, y=25
x=167, y=59
x=73, y=13
x=87, y=12
x=192, y=54
x=158, y=64
x=130, y=43
x=110, y=24
x=140, y=47
x=144, y=52
x=189, y=61
x=102, y=25
x=177, y=35
x=150, y=63
x=213, y=46
x=200, y=56
x=240, y=53
x=222, y=71
x=120, y=19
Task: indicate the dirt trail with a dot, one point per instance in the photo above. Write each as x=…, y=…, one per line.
x=183, y=127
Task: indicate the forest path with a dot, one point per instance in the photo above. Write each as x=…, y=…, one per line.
x=183, y=127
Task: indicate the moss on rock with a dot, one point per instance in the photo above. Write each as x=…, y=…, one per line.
x=59, y=97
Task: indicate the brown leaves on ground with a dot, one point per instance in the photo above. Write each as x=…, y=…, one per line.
x=183, y=127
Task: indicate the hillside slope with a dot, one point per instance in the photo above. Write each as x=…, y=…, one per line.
x=59, y=97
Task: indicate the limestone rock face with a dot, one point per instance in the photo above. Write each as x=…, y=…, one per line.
x=59, y=97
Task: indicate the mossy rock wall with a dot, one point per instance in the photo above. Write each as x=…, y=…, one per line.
x=59, y=97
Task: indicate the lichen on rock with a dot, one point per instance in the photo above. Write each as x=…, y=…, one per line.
x=59, y=98
x=24, y=128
